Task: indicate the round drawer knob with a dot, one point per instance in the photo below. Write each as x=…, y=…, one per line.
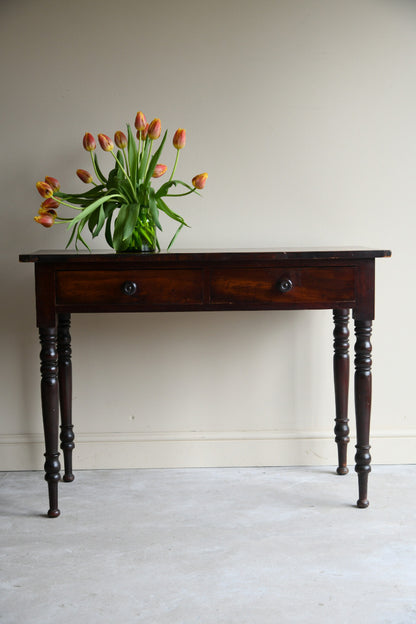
x=129, y=288
x=285, y=285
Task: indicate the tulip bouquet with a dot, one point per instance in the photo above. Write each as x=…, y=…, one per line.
x=124, y=203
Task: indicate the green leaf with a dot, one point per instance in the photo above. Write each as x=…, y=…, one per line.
x=154, y=211
x=119, y=161
x=74, y=229
x=175, y=235
x=93, y=220
x=125, y=223
x=169, y=212
x=79, y=237
x=132, y=155
x=80, y=198
x=109, y=209
x=100, y=221
x=98, y=171
x=90, y=209
x=162, y=191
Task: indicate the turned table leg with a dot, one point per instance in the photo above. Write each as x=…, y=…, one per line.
x=65, y=393
x=50, y=413
x=363, y=406
x=341, y=382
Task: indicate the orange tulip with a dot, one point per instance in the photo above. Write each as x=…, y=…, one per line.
x=199, y=180
x=159, y=170
x=49, y=211
x=120, y=139
x=140, y=121
x=53, y=182
x=49, y=204
x=154, y=130
x=84, y=176
x=106, y=143
x=44, y=189
x=88, y=142
x=47, y=220
x=179, y=138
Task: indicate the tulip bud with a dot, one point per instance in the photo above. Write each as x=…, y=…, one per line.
x=53, y=182
x=142, y=134
x=179, y=138
x=44, y=189
x=106, y=143
x=46, y=220
x=88, y=142
x=49, y=204
x=154, y=130
x=199, y=180
x=84, y=176
x=120, y=139
x=140, y=122
x=49, y=211
x=159, y=170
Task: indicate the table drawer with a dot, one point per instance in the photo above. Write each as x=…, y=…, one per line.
x=148, y=287
x=270, y=286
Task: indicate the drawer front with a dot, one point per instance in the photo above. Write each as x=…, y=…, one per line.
x=277, y=286
x=151, y=287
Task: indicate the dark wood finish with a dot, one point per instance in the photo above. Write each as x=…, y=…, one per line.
x=341, y=382
x=362, y=382
x=65, y=392
x=50, y=412
x=68, y=282
x=146, y=286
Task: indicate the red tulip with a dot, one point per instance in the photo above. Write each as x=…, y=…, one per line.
x=142, y=134
x=106, y=143
x=46, y=220
x=88, y=142
x=159, y=170
x=140, y=121
x=179, y=138
x=53, y=182
x=44, y=189
x=120, y=139
x=154, y=130
x=199, y=180
x=84, y=176
x=49, y=204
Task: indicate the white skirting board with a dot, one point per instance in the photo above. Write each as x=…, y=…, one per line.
x=205, y=449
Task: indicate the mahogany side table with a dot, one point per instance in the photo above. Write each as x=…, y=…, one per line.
x=70, y=282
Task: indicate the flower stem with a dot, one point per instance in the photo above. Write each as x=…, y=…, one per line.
x=125, y=173
x=174, y=166
x=180, y=194
x=63, y=203
x=126, y=160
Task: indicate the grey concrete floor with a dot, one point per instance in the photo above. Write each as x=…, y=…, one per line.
x=209, y=546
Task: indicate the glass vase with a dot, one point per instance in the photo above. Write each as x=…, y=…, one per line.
x=144, y=237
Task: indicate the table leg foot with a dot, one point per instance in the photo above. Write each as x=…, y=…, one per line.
x=342, y=470
x=52, y=476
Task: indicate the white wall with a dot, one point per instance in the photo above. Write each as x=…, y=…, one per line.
x=303, y=113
